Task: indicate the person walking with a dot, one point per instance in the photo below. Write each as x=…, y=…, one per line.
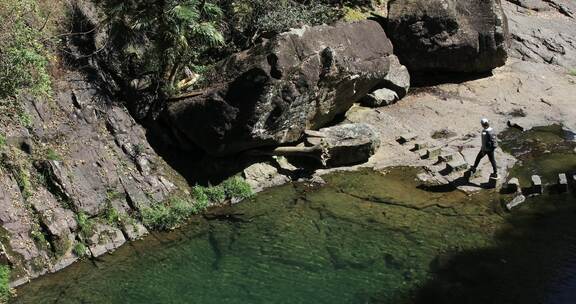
x=489, y=144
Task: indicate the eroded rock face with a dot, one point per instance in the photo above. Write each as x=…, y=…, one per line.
x=299, y=80
x=543, y=37
x=448, y=35
x=81, y=155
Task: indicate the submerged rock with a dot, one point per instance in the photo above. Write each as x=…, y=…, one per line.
x=450, y=36
x=301, y=80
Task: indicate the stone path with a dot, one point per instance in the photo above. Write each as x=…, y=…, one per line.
x=537, y=188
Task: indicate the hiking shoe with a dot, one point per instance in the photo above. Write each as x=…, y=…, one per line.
x=494, y=176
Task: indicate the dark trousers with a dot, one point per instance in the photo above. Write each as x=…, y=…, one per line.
x=481, y=155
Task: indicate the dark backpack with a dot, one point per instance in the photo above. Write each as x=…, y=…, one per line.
x=491, y=140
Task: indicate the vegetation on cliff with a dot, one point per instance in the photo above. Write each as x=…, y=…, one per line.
x=177, y=210
x=25, y=38
x=4, y=283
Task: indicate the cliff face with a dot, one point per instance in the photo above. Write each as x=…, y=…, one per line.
x=73, y=179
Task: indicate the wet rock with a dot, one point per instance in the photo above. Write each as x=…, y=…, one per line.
x=537, y=187
x=134, y=231
x=517, y=201
x=450, y=36
x=562, y=182
x=298, y=81
x=513, y=185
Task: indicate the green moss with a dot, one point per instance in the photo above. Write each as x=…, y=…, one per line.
x=572, y=72
x=5, y=293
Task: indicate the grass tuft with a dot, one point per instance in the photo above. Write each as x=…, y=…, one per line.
x=5, y=292
x=80, y=250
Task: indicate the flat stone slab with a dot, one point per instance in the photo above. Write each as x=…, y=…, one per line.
x=517, y=201
x=457, y=166
x=562, y=182
x=446, y=157
x=433, y=153
x=562, y=179
x=537, y=184
x=406, y=138
x=420, y=145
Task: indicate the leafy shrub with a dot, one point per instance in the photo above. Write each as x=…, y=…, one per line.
x=215, y=194
x=248, y=20
x=173, y=34
x=80, y=250
x=111, y=215
x=23, y=57
x=4, y=283
x=168, y=215
x=237, y=187
x=38, y=237
x=85, y=224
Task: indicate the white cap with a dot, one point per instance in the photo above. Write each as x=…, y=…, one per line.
x=484, y=121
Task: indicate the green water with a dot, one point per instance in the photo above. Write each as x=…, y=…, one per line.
x=364, y=237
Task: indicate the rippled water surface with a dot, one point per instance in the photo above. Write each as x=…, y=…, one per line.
x=365, y=237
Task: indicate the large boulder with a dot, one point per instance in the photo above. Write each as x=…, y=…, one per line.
x=449, y=35
x=269, y=95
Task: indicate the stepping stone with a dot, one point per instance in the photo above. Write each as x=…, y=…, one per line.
x=457, y=166
x=517, y=201
x=446, y=157
x=405, y=138
x=433, y=153
x=420, y=146
x=513, y=185
x=422, y=154
x=537, y=185
x=562, y=182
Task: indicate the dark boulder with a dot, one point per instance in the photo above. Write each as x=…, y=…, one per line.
x=300, y=80
x=448, y=35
